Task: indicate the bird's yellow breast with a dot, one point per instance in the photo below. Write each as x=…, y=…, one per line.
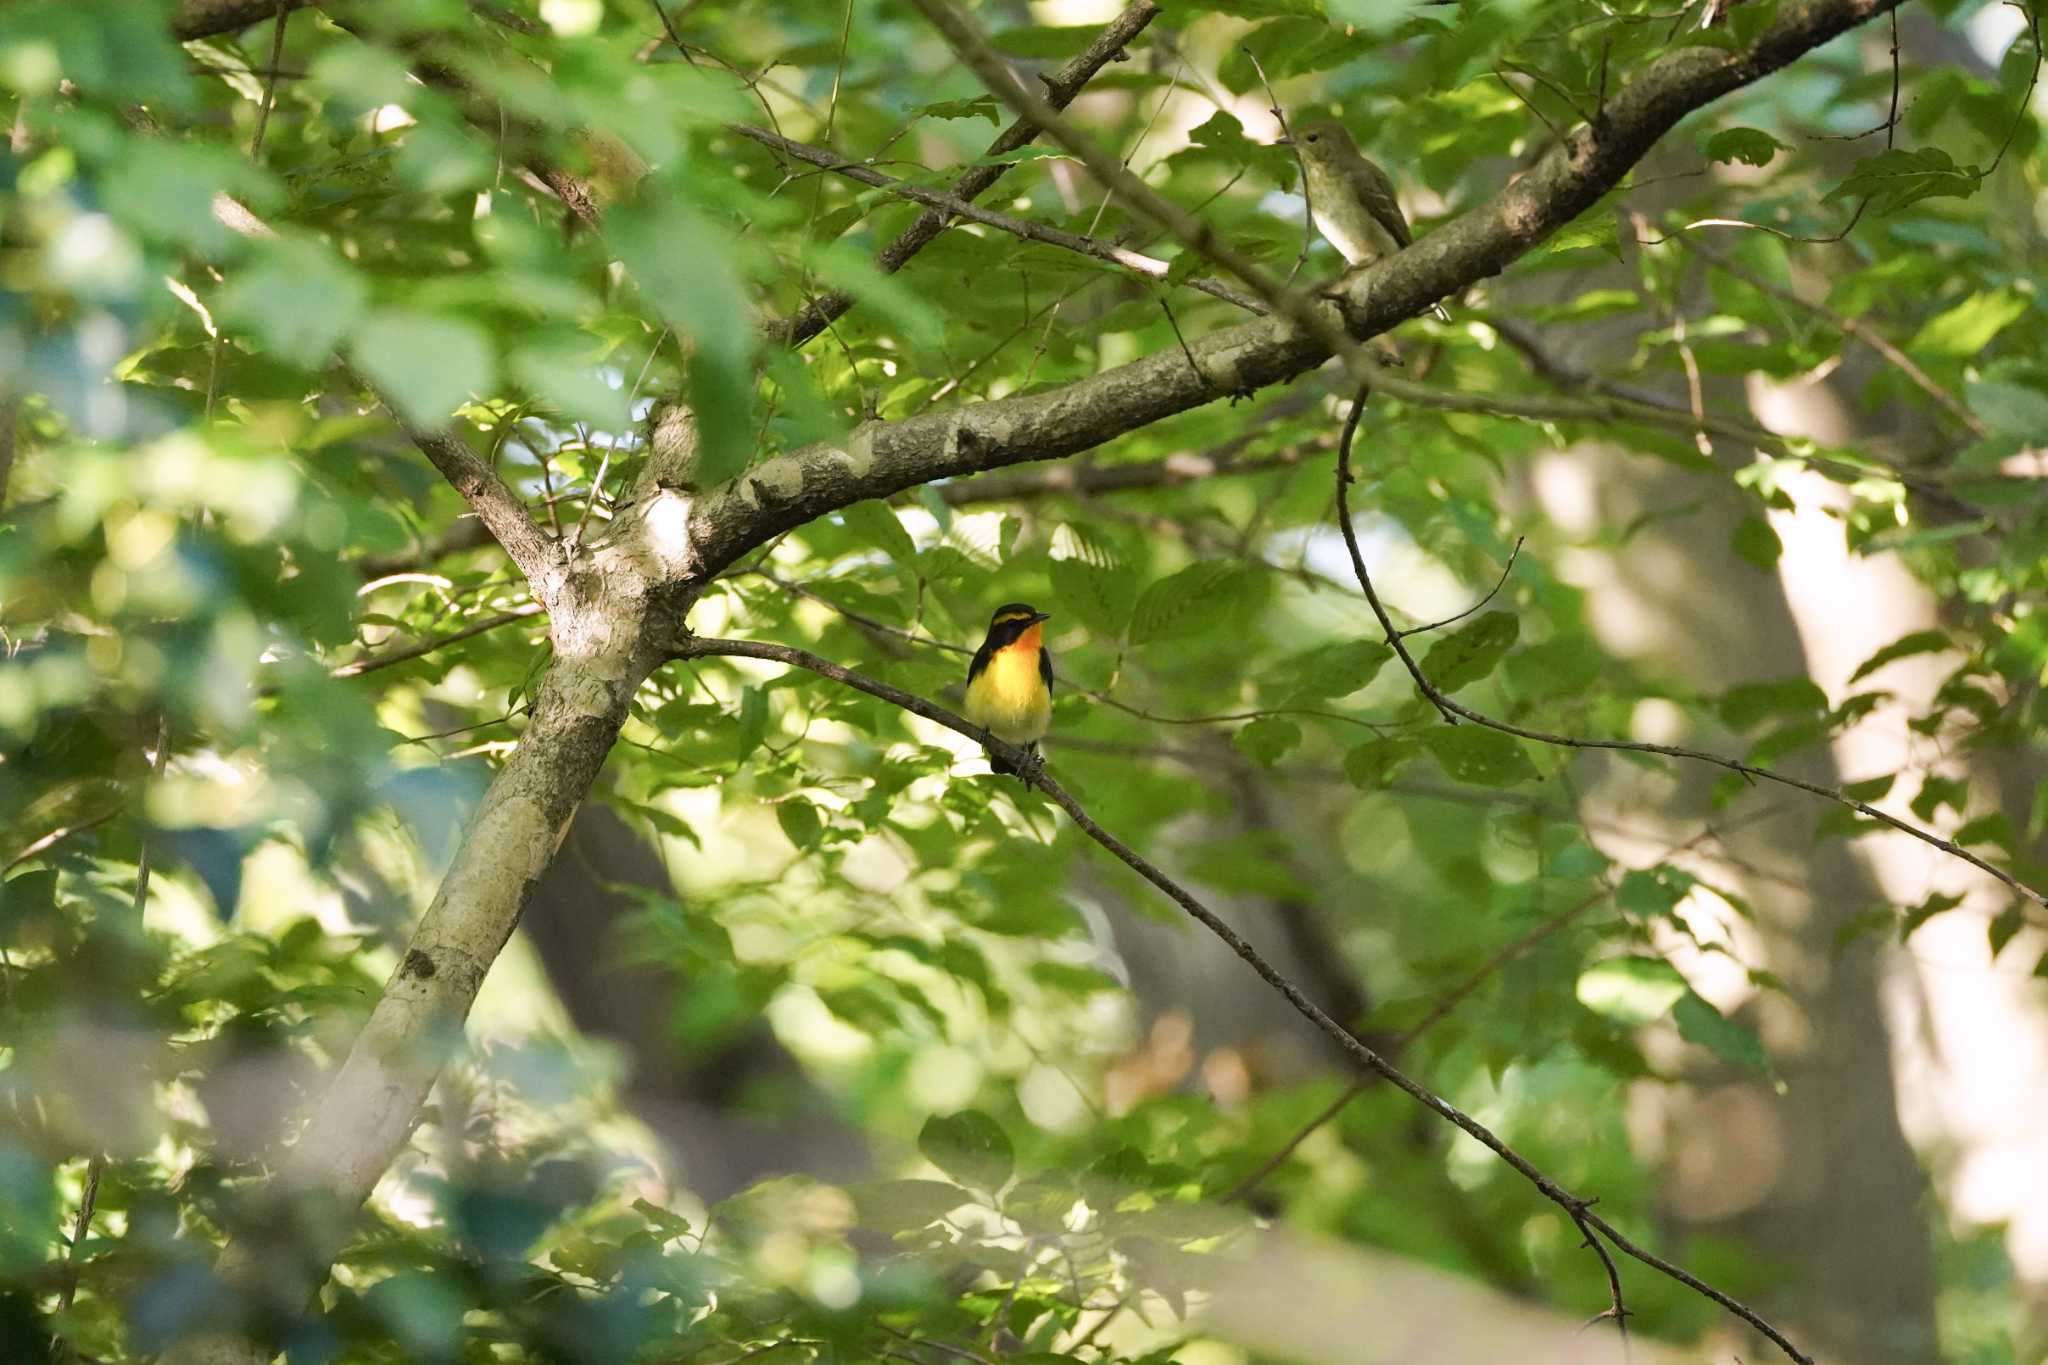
x=1008, y=698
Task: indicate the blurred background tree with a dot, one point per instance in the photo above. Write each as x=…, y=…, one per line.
x=385, y=389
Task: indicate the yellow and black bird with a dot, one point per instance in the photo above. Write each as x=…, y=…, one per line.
x=1009, y=684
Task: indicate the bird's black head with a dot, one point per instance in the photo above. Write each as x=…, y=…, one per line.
x=1011, y=620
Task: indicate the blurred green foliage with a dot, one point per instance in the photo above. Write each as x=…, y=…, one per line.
x=210, y=519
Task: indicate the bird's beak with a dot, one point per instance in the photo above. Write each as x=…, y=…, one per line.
x=1283, y=142
x=1041, y=616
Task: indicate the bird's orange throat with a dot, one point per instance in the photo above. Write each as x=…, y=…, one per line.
x=1028, y=642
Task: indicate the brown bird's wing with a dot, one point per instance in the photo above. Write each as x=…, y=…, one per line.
x=1376, y=192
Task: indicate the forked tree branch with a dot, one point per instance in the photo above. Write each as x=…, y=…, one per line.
x=879, y=459
x=1577, y=1209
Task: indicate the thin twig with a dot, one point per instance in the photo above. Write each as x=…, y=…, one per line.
x=1494, y=592
x=371, y=663
x=1016, y=227
x=1308, y=208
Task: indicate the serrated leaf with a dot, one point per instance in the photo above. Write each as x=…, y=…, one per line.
x=1899, y=177
x=1100, y=597
x=969, y=1146
x=1937, y=791
x=1183, y=601
x=1653, y=891
x=1371, y=765
x=1469, y=654
x=1744, y=706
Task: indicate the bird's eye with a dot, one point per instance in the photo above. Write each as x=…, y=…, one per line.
x=1312, y=137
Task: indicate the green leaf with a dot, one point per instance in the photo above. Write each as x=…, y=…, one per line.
x=1966, y=329
x=1756, y=543
x=980, y=106
x=878, y=528
x=1371, y=765
x=2015, y=409
x=298, y=297
x=1654, y=892
x=1744, y=706
x=1937, y=903
x=893, y=1206
x=800, y=821
x=1100, y=597
x=1193, y=599
x=427, y=364
x=1631, y=990
x=684, y=268
x=1044, y=40
x=2006, y=926
x=753, y=723
x=669, y=1225
x=1467, y=655
x=969, y=1146
x=1333, y=670
x=1268, y=739
x=1905, y=647
x=1751, y=146
x=1899, y=177
x=1471, y=753
x=1937, y=791
x=1736, y=1044
x=562, y=370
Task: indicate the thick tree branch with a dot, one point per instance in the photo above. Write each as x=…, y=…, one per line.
x=1060, y=89
x=531, y=549
x=1577, y=1209
x=954, y=206
x=195, y=19
x=879, y=459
